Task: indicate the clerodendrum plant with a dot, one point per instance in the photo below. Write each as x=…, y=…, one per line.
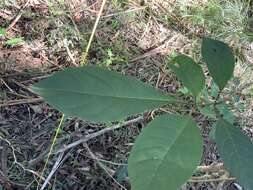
x=169, y=149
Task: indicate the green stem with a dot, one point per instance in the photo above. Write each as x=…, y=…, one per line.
x=85, y=53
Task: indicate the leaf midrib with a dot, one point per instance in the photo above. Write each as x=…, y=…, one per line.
x=172, y=144
x=119, y=97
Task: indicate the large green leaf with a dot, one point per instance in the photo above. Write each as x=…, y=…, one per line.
x=165, y=154
x=97, y=94
x=189, y=72
x=220, y=60
x=236, y=150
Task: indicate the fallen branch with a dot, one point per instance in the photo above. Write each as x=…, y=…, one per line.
x=96, y=134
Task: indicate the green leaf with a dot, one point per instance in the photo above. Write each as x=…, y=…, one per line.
x=220, y=60
x=251, y=92
x=214, y=91
x=189, y=72
x=204, y=96
x=2, y=32
x=121, y=173
x=14, y=41
x=184, y=90
x=236, y=150
x=165, y=154
x=97, y=94
x=212, y=132
x=208, y=111
x=227, y=114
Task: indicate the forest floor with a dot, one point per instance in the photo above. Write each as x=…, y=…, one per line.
x=133, y=37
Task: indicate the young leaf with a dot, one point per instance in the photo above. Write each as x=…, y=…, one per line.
x=208, y=111
x=214, y=91
x=189, y=72
x=165, y=154
x=2, y=32
x=227, y=114
x=97, y=94
x=220, y=60
x=236, y=151
x=14, y=41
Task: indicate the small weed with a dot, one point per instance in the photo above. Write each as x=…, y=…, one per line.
x=14, y=42
x=2, y=32
x=115, y=24
x=119, y=3
x=110, y=58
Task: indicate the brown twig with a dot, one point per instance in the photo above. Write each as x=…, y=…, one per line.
x=38, y=159
x=3, y=154
x=66, y=45
x=21, y=101
x=16, y=162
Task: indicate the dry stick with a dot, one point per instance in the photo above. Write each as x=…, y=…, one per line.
x=5, y=15
x=212, y=180
x=6, y=181
x=4, y=155
x=21, y=101
x=51, y=148
x=124, y=12
x=15, y=157
x=208, y=169
x=103, y=167
x=83, y=140
x=38, y=159
x=85, y=53
x=96, y=134
x=65, y=42
x=15, y=20
x=7, y=86
x=55, y=167
x=211, y=168
x=60, y=160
